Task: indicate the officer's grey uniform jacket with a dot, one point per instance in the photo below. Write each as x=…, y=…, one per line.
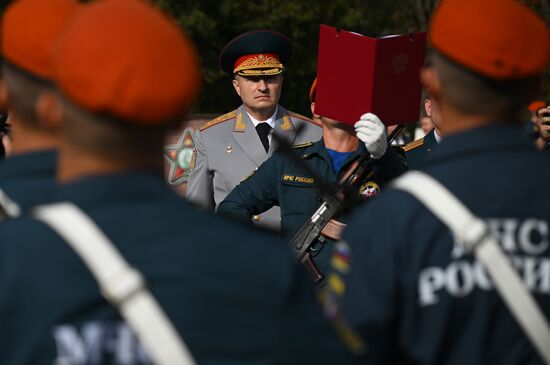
x=228, y=150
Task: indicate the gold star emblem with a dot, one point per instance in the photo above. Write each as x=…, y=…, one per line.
x=180, y=158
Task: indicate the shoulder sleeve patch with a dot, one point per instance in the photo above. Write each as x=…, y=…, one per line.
x=302, y=145
x=220, y=119
x=413, y=145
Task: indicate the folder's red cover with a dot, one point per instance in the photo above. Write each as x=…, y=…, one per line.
x=357, y=74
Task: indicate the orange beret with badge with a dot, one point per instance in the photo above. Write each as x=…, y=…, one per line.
x=29, y=29
x=256, y=53
x=127, y=60
x=502, y=39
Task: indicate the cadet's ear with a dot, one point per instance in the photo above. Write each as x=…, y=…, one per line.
x=430, y=80
x=428, y=107
x=237, y=86
x=49, y=110
x=313, y=110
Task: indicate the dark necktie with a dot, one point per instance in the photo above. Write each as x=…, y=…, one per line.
x=263, y=130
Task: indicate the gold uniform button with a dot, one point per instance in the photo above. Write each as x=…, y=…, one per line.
x=256, y=218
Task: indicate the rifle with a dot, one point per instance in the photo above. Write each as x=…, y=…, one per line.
x=333, y=202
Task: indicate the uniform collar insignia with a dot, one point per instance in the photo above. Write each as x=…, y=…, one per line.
x=240, y=125
x=286, y=122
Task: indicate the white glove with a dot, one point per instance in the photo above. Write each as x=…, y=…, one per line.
x=372, y=132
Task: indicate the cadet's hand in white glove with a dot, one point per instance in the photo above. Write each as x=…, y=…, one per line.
x=372, y=132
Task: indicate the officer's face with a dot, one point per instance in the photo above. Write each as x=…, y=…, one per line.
x=259, y=92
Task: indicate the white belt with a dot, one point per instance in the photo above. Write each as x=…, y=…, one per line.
x=122, y=285
x=476, y=237
x=8, y=208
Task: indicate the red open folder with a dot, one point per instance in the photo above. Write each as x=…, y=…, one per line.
x=358, y=74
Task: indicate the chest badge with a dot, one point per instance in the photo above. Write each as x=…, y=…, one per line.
x=228, y=149
x=369, y=190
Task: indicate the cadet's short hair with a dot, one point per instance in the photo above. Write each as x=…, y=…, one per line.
x=109, y=137
x=23, y=91
x=473, y=93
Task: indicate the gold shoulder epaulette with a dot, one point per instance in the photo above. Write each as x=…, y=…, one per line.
x=299, y=116
x=413, y=145
x=302, y=145
x=220, y=119
x=304, y=118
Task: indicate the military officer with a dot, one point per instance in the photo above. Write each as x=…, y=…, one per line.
x=240, y=303
x=282, y=182
x=407, y=286
x=418, y=150
x=26, y=177
x=232, y=146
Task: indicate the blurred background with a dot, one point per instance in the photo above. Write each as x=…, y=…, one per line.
x=212, y=23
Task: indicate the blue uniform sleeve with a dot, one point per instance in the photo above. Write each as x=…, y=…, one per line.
x=360, y=295
x=255, y=195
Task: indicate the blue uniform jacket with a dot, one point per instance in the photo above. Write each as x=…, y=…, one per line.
x=233, y=293
x=417, y=151
x=28, y=178
x=282, y=182
x=412, y=293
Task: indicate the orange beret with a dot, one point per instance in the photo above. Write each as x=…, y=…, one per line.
x=125, y=59
x=29, y=29
x=501, y=39
x=313, y=90
x=536, y=105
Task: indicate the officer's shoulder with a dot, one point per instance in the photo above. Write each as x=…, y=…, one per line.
x=413, y=145
x=219, y=120
x=301, y=117
x=280, y=157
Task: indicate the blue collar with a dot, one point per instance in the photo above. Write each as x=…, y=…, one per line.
x=29, y=165
x=492, y=137
x=122, y=186
x=320, y=148
x=429, y=139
